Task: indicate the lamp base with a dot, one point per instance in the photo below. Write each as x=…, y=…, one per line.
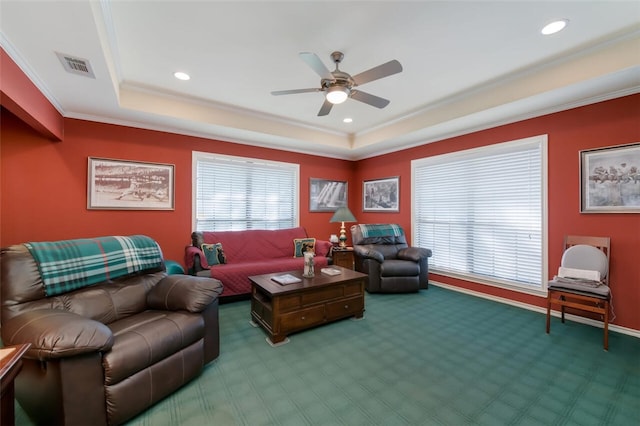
x=343, y=237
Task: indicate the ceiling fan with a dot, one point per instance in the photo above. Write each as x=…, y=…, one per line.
x=338, y=85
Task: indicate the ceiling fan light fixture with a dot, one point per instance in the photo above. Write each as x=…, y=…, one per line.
x=337, y=94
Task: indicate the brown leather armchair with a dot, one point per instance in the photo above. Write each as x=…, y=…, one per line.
x=381, y=251
x=103, y=353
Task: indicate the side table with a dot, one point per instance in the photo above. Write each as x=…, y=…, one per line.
x=343, y=257
x=10, y=365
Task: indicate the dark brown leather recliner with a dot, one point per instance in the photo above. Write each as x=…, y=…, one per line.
x=381, y=251
x=104, y=353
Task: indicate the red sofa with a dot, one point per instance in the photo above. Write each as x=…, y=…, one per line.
x=251, y=252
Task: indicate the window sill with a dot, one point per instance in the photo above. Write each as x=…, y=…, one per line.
x=503, y=284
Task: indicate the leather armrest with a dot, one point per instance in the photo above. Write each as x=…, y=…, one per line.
x=57, y=334
x=367, y=253
x=413, y=253
x=184, y=292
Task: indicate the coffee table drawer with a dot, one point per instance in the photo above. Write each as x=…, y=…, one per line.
x=322, y=295
x=301, y=319
x=345, y=308
x=289, y=303
x=351, y=289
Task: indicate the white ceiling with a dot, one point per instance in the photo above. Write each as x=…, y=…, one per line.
x=467, y=65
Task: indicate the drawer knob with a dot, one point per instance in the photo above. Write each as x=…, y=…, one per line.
x=303, y=318
x=346, y=306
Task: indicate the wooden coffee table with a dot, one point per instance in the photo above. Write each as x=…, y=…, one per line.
x=284, y=309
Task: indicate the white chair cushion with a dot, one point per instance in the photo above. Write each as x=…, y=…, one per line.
x=586, y=257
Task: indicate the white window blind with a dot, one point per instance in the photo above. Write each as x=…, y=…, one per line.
x=482, y=212
x=236, y=193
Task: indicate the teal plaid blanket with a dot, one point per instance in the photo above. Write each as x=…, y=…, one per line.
x=381, y=230
x=71, y=264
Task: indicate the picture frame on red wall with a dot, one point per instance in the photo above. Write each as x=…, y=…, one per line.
x=381, y=195
x=610, y=179
x=327, y=195
x=129, y=185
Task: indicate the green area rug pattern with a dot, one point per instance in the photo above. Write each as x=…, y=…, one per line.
x=434, y=358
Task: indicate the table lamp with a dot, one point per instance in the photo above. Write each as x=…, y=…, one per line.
x=342, y=215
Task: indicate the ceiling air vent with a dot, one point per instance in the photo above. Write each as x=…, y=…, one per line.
x=76, y=65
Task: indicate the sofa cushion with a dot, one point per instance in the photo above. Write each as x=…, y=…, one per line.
x=214, y=254
x=399, y=268
x=105, y=303
x=235, y=276
x=142, y=340
x=301, y=245
x=255, y=244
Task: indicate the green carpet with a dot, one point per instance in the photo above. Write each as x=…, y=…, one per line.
x=433, y=358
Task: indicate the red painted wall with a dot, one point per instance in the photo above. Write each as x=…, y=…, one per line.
x=20, y=96
x=43, y=185
x=604, y=124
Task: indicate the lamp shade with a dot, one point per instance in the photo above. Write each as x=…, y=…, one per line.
x=343, y=214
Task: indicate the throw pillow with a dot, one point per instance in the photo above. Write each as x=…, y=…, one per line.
x=300, y=245
x=323, y=248
x=214, y=254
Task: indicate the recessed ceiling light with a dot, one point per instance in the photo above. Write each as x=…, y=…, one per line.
x=347, y=120
x=554, y=27
x=181, y=75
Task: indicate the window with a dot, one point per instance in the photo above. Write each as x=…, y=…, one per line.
x=483, y=213
x=235, y=193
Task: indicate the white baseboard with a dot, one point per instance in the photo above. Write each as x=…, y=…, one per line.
x=576, y=318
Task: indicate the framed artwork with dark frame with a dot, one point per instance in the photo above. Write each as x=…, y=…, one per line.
x=381, y=195
x=610, y=179
x=129, y=185
x=327, y=195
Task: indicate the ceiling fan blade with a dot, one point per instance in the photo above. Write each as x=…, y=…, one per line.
x=369, y=99
x=325, y=109
x=293, y=92
x=316, y=64
x=375, y=73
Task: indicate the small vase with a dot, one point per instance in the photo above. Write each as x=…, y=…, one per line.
x=308, y=265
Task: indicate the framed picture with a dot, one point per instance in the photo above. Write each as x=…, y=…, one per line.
x=610, y=179
x=129, y=185
x=381, y=195
x=327, y=195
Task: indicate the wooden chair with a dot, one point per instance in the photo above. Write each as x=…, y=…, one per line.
x=586, y=297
